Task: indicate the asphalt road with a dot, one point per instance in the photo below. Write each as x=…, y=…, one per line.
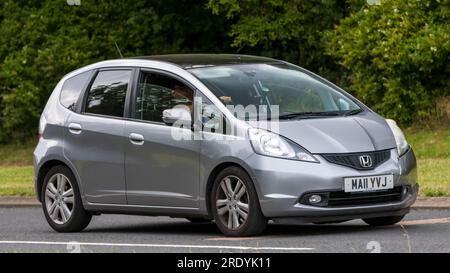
x=25, y=230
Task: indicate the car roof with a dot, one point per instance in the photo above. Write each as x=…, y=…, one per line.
x=189, y=61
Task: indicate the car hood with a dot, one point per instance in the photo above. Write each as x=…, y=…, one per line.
x=360, y=133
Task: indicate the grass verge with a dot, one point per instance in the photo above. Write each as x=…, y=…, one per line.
x=16, y=180
x=434, y=176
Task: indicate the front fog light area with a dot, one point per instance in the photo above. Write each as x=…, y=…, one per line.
x=314, y=199
x=406, y=190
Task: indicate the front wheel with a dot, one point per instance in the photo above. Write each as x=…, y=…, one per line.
x=383, y=221
x=62, y=201
x=235, y=204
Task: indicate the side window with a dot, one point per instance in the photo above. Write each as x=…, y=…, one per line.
x=71, y=90
x=156, y=93
x=108, y=92
x=210, y=117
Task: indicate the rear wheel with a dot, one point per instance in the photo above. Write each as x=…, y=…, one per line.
x=235, y=204
x=383, y=221
x=61, y=203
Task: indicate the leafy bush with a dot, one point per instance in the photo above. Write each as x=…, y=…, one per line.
x=396, y=55
x=393, y=56
x=40, y=41
x=291, y=30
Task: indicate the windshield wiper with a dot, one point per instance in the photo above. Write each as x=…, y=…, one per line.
x=320, y=114
x=309, y=114
x=353, y=112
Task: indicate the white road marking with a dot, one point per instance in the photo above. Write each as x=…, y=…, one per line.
x=158, y=245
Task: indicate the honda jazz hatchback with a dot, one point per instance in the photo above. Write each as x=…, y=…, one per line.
x=234, y=139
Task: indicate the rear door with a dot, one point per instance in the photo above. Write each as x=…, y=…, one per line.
x=94, y=138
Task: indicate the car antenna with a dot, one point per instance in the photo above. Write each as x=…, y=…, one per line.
x=118, y=49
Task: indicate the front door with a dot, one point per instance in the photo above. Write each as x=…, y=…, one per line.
x=160, y=170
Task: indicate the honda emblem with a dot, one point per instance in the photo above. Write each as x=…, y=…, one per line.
x=365, y=161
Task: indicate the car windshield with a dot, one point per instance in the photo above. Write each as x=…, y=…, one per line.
x=275, y=90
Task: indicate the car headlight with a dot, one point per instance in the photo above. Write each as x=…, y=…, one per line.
x=270, y=144
x=400, y=140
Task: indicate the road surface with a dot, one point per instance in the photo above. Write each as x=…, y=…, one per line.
x=25, y=230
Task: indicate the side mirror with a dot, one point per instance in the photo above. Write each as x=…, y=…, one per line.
x=181, y=116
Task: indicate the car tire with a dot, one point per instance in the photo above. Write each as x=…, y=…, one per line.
x=61, y=201
x=235, y=204
x=383, y=221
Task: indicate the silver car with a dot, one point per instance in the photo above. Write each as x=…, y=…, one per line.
x=234, y=139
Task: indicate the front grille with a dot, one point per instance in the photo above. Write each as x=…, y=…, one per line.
x=342, y=199
x=352, y=160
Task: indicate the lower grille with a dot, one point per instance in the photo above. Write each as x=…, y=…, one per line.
x=339, y=199
x=342, y=199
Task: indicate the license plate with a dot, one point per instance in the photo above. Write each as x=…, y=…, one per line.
x=368, y=183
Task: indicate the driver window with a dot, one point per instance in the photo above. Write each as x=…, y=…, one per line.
x=156, y=93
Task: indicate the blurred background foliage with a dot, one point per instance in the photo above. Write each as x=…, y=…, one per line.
x=394, y=56
x=397, y=56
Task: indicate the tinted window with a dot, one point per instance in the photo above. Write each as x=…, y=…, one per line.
x=108, y=92
x=72, y=88
x=157, y=93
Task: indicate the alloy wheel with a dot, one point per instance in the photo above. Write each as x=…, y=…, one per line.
x=232, y=202
x=59, y=198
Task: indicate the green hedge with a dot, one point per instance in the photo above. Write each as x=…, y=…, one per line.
x=396, y=55
x=41, y=41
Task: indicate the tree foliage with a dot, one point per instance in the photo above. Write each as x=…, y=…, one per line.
x=393, y=56
x=397, y=55
x=292, y=30
x=40, y=41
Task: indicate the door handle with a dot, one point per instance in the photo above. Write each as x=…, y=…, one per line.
x=75, y=128
x=136, y=139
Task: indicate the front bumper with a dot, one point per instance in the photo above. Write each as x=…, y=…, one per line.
x=281, y=183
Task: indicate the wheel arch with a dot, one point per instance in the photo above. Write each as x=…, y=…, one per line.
x=45, y=168
x=213, y=174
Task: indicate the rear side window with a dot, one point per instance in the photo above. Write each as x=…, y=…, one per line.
x=107, y=94
x=72, y=88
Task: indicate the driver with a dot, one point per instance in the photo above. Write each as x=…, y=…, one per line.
x=184, y=94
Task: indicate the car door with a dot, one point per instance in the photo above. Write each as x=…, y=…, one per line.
x=160, y=169
x=94, y=140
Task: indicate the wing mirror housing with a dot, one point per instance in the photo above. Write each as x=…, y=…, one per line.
x=178, y=115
